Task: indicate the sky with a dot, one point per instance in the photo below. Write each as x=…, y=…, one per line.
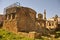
x=52, y=6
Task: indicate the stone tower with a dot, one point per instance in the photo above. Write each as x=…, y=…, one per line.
x=45, y=14
x=45, y=18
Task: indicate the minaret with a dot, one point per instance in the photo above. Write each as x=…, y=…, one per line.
x=44, y=14
x=45, y=18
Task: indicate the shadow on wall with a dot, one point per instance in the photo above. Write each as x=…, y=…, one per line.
x=1, y=24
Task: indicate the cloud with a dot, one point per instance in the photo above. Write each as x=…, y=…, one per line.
x=1, y=13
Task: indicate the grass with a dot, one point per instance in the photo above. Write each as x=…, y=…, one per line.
x=5, y=35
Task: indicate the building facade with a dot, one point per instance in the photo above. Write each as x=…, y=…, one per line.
x=23, y=19
x=19, y=19
x=53, y=23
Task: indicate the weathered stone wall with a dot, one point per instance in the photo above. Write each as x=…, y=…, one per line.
x=26, y=20
x=10, y=20
x=11, y=10
x=58, y=28
x=30, y=34
x=1, y=17
x=50, y=24
x=34, y=35
x=22, y=20
x=10, y=25
x=40, y=24
x=1, y=20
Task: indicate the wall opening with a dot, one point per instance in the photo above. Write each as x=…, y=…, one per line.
x=13, y=15
x=9, y=16
x=49, y=24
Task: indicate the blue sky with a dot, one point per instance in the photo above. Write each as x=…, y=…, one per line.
x=52, y=6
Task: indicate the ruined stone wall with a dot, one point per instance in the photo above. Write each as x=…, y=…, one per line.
x=58, y=28
x=11, y=10
x=10, y=20
x=1, y=17
x=10, y=25
x=26, y=20
x=30, y=34
x=1, y=20
x=40, y=24
x=50, y=24
x=20, y=19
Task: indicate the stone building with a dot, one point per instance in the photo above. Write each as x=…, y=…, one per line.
x=19, y=19
x=41, y=21
x=53, y=23
x=23, y=19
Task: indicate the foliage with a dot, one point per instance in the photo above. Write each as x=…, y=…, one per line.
x=5, y=35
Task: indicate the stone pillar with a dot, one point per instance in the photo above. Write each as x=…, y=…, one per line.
x=45, y=14
x=45, y=18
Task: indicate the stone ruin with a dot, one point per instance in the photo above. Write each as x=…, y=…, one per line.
x=22, y=20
